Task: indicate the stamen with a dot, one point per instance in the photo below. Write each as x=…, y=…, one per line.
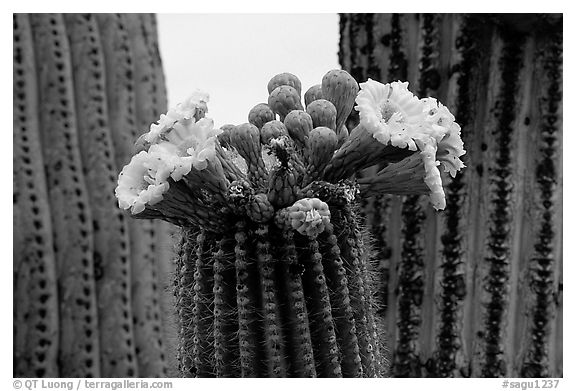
x=312, y=215
x=149, y=179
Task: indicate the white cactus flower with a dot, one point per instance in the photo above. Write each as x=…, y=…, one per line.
x=395, y=116
x=142, y=181
x=191, y=110
x=391, y=113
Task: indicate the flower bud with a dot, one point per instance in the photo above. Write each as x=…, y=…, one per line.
x=313, y=93
x=283, y=100
x=260, y=114
x=285, y=79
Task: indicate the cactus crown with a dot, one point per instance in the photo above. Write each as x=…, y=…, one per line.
x=279, y=159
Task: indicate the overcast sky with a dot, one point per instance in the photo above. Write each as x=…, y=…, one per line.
x=233, y=56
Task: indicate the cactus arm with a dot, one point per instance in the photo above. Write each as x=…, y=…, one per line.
x=36, y=320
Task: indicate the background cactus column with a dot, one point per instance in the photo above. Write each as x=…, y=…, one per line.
x=494, y=256
x=36, y=321
x=76, y=112
x=69, y=201
x=111, y=240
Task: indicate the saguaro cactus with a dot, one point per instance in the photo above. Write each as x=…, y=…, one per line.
x=36, y=322
x=76, y=108
x=68, y=196
x=465, y=289
x=273, y=276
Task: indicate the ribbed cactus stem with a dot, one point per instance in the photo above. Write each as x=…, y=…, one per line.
x=130, y=94
x=326, y=351
x=272, y=324
x=537, y=362
x=245, y=298
x=71, y=216
x=298, y=330
x=225, y=322
x=351, y=252
x=370, y=305
x=165, y=232
x=111, y=242
x=341, y=308
x=202, y=314
x=36, y=320
x=377, y=344
x=184, y=284
x=276, y=311
x=498, y=259
x=471, y=310
x=145, y=287
x=145, y=302
x=120, y=97
x=410, y=293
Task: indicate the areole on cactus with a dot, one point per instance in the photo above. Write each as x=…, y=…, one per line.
x=273, y=276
